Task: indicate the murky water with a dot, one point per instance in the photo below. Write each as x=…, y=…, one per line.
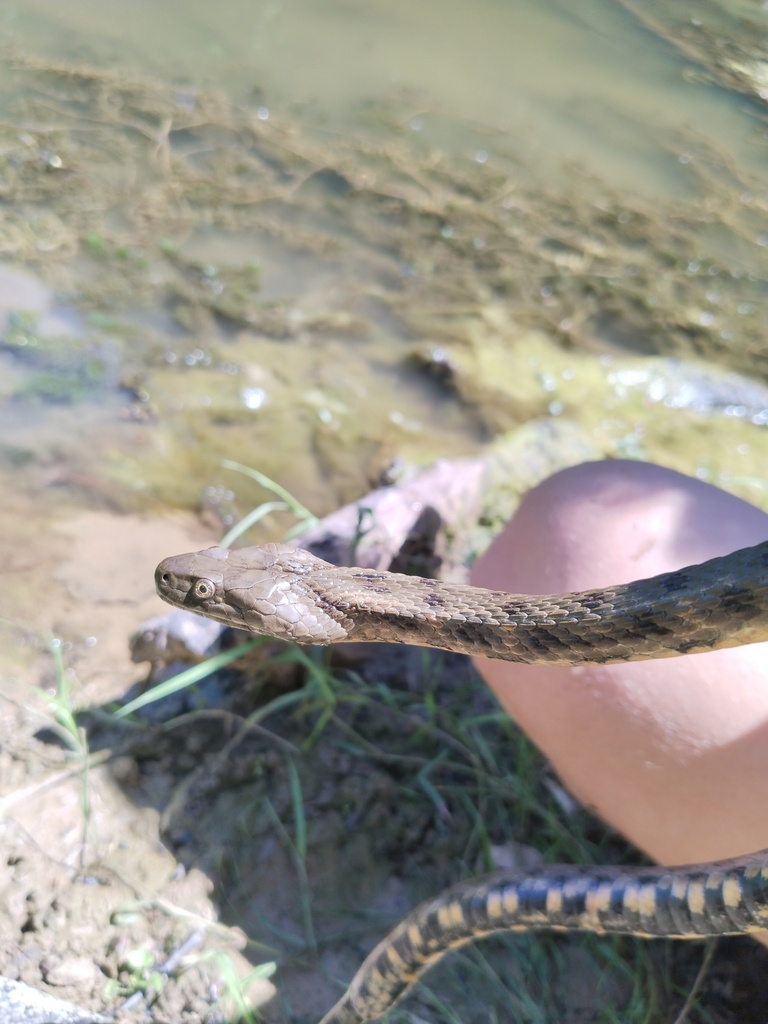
x=553, y=82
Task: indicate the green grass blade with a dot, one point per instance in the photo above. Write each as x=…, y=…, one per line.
x=296, y=507
x=189, y=677
x=299, y=818
x=253, y=517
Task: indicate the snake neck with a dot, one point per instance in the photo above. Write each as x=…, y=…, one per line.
x=720, y=603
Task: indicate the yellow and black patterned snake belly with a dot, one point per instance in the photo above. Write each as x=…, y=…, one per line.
x=282, y=591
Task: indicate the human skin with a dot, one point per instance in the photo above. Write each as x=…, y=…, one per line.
x=672, y=753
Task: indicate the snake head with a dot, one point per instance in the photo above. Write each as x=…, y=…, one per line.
x=193, y=581
x=261, y=589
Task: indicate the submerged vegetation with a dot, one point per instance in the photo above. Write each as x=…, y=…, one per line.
x=127, y=173
x=163, y=214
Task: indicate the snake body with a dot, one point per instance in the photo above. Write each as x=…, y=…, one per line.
x=286, y=592
x=282, y=591
x=705, y=900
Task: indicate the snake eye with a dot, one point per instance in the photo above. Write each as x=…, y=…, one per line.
x=203, y=589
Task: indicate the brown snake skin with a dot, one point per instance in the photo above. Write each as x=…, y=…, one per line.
x=286, y=592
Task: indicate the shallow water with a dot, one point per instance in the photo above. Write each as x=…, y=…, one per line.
x=551, y=82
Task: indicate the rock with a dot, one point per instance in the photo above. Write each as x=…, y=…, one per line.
x=178, y=636
x=76, y=970
x=22, y=1004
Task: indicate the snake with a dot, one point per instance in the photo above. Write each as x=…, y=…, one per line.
x=282, y=591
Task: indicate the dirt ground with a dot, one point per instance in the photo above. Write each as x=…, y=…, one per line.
x=280, y=817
